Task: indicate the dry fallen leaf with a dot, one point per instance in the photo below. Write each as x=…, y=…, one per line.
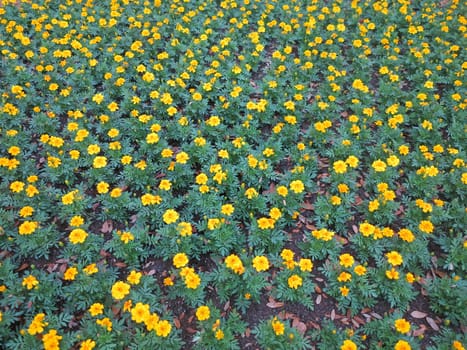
x=247, y=332
x=107, y=226
x=420, y=331
x=299, y=326
x=432, y=323
x=318, y=299
x=274, y=304
x=418, y=314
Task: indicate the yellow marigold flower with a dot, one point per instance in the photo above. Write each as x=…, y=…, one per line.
x=87, y=344
x=26, y=211
x=150, y=199
x=344, y=290
x=346, y=260
x=16, y=186
x=126, y=160
x=76, y=221
x=74, y=154
x=116, y=192
x=99, y=162
x=426, y=226
x=203, y=313
x=120, y=290
x=402, y=325
x=78, y=235
x=392, y=274
x=151, y=321
x=297, y=186
x=344, y=277
x=265, y=223
x=90, y=269
x=348, y=345
x=140, y=312
x=106, y=323
x=335, y=200
x=294, y=281
x=340, y=167
x=152, y=138
x=227, y=209
x=70, y=274
x=126, y=237
x=182, y=157
x=50, y=340
x=234, y=263
x=275, y=213
x=287, y=255
x=180, y=260
x=163, y=328
x=360, y=270
x=96, y=309
x=250, y=193
x=409, y=277
x=219, y=335
x=192, y=280
x=113, y=106
x=457, y=345
x=30, y=282
x=93, y=149
x=352, y=161
x=306, y=265
x=28, y=227
x=185, y=229
x=37, y=324
x=260, y=263
x=394, y=258
x=393, y=161
x=134, y=277
x=343, y=188
x=170, y=216
x=366, y=229
x=402, y=345
x=379, y=166
x=373, y=205
x=277, y=326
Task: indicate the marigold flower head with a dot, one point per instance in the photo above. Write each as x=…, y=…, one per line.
x=192, y=280
x=120, y=290
x=140, y=312
x=306, y=265
x=261, y=263
x=96, y=309
x=402, y=345
x=426, y=226
x=346, y=260
x=180, y=260
x=277, y=326
x=203, y=313
x=394, y=258
x=87, y=344
x=163, y=328
x=170, y=216
x=340, y=167
x=77, y=235
x=134, y=277
x=294, y=281
x=297, y=186
x=234, y=263
x=402, y=325
x=70, y=274
x=348, y=345
x=37, y=324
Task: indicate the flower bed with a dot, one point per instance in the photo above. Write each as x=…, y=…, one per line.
x=226, y=175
